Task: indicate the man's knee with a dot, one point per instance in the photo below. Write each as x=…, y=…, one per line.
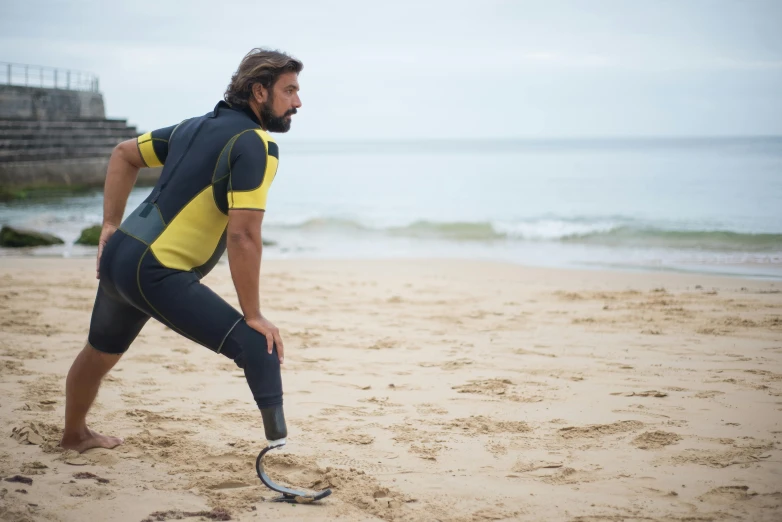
x=249, y=350
x=248, y=347
x=104, y=350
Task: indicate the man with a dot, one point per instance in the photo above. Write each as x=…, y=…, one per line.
x=211, y=195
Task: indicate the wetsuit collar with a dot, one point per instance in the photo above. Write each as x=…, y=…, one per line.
x=246, y=110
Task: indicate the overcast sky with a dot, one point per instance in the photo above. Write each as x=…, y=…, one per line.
x=431, y=69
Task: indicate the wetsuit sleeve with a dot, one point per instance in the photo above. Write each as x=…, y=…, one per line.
x=153, y=146
x=254, y=158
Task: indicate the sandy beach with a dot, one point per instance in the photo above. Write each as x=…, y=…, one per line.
x=416, y=390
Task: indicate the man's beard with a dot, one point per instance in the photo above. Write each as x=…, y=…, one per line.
x=275, y=123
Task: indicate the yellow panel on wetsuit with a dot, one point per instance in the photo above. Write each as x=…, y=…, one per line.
x=192, y=237
x=153, y=146
x=255, y=198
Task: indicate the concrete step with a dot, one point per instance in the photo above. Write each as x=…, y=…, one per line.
x=59, y=141
x=73, y=124
x=8, y=134
x=8, y=131
x=53, y=153
x=77, y=134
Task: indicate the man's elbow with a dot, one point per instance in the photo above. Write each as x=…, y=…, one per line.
x=127, y=152
x=243, y=237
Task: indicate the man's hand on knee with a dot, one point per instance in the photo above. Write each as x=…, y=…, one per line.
x=271, y=332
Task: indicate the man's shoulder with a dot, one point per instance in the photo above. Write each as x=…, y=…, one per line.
x=254, y=137
x=256, y=142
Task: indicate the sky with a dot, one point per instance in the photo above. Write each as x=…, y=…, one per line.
x=445, y=69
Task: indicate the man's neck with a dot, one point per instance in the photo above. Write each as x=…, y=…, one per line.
x=253, y=106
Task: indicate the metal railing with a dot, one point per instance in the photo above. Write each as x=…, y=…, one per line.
x=47, y=77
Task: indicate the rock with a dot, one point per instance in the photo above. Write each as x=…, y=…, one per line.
x=16, y=238
x=90, y=236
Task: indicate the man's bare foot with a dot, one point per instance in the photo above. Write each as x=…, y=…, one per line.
x=89, y=439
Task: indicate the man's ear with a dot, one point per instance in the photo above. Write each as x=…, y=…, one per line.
x=259, y=93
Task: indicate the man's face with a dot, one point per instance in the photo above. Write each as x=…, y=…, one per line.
x=281, y=103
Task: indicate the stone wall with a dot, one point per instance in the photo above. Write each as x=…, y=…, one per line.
x=49, y=104
x=81, y=172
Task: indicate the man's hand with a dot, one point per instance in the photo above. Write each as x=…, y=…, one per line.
x=105, y=234
x=272, y=334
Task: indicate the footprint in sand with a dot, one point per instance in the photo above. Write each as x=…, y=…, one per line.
x=496, y=448
x=13, y=368
x=727, y=494
x=362, y=465
x=524, y=467
x=648, y=393
x=426, y=451
x=480, y=424
x=743, y=456
x=499, y=388
x=655, y=440
x=430, y=409
x=567, y=476
x=229, y=484
x=358, y=439
x=599, y=430
x=90, y=491
x=36, y=433
x=34, y=468
x=44, y=405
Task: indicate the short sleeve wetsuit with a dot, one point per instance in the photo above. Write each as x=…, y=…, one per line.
x=153, y=264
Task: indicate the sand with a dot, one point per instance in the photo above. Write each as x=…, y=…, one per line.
x=416, y=390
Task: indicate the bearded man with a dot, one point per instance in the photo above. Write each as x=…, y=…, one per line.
x=211, y=196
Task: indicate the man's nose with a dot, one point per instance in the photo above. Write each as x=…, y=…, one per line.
x=297, y=102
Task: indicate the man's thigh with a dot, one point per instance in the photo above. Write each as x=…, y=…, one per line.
x=115, y=323
x=190, y=308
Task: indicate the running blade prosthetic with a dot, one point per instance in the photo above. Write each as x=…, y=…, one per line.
x=276, y=432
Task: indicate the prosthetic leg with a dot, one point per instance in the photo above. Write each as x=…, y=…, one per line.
x=276, y=433
x=262, y=371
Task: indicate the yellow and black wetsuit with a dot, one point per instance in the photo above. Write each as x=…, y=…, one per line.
x=153, y=264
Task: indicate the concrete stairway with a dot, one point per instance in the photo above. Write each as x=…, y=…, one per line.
x=36, y=140
x=53, y=137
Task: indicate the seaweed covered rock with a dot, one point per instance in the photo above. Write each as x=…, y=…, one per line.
x=16, y=238
x=89, y=236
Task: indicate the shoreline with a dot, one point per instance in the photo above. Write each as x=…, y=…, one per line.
x=417, y=390
x=274, y=257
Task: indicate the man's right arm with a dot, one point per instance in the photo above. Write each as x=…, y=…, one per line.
x=126, y=160
x=124, y=164
x=148, y=150
x=121, y=175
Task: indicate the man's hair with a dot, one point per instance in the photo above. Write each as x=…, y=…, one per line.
x=262, y=66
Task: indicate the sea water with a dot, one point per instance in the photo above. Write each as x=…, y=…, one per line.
x=704, y=205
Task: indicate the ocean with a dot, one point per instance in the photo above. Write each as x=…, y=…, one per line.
x=699, y=205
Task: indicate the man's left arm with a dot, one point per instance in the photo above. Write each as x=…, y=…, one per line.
x=252, y=172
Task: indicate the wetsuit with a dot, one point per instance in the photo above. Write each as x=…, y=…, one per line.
x=153, y=264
